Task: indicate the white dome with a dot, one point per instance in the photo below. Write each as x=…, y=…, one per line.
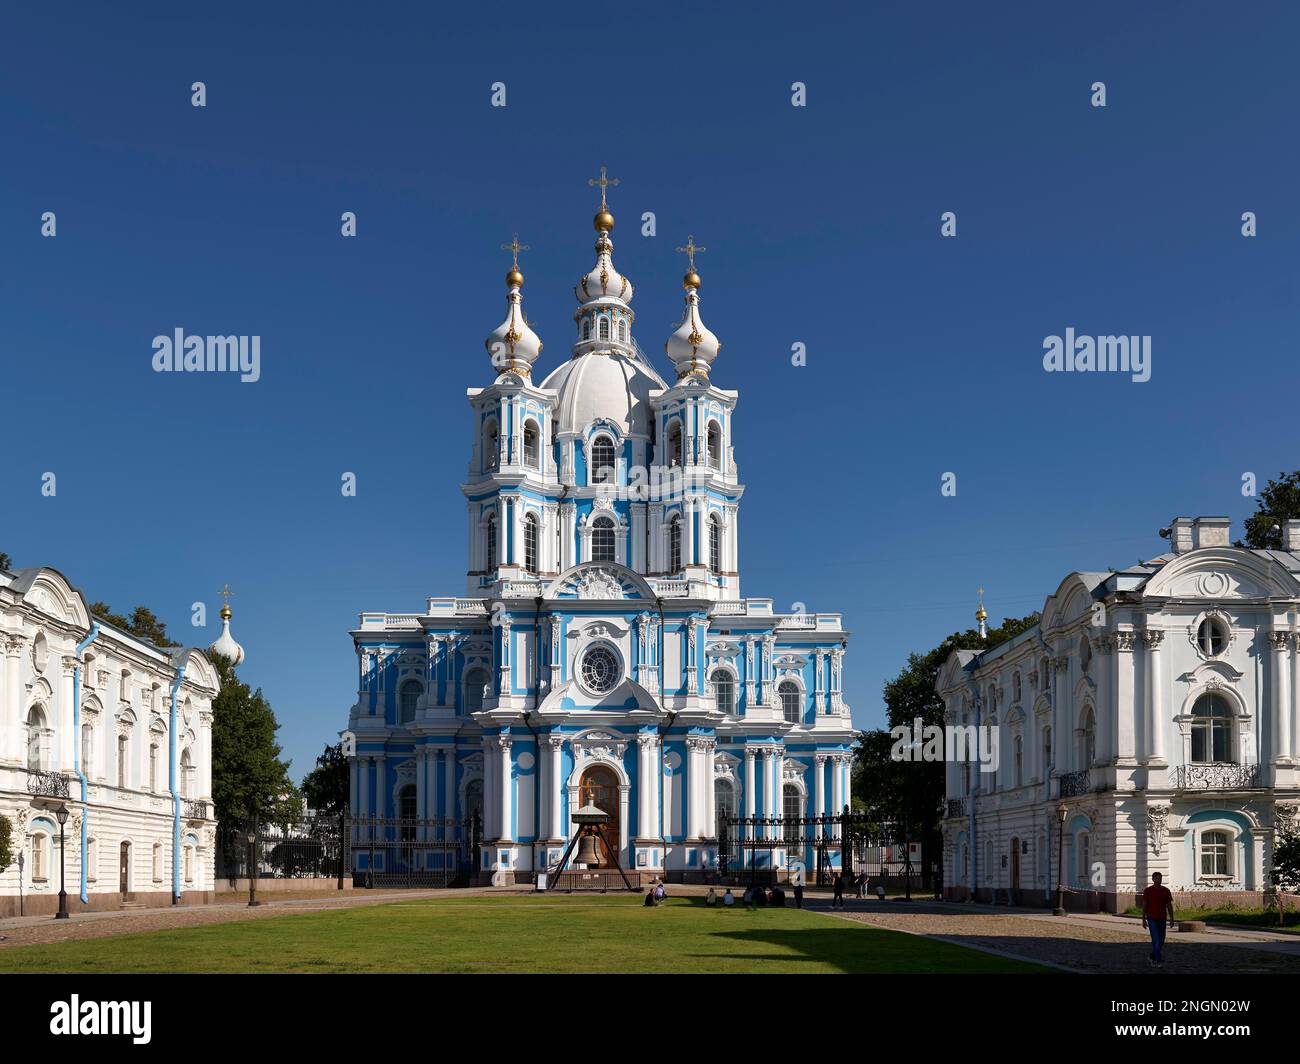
x=606, y=385
x=225, y=644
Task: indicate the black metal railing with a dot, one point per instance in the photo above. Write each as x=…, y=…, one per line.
x=957, y=807
x=193, y=809
x=47, y=784
x=1074, y=783
x=761, y=849
x=1220, y=777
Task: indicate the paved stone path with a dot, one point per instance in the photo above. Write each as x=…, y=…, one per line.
x=1096, y=944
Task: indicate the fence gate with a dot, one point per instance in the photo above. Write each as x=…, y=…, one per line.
x=403, y=852
x=757, y=849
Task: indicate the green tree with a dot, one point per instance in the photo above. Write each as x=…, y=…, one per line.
x=249, y=779
x=1286, y=870
x=912, y=792
x=6, y=562
x=142, y=623
x=6, y=843
x=1278, y=503
x=326, y=786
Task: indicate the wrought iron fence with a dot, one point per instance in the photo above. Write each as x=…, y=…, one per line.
x=310, y=848
x=193, y=809
x=404, y=852
x=1216, y=777
x=47, y=784
x=956, y=807
x=762, y=849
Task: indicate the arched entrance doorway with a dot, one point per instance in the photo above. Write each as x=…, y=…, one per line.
x=600, y=788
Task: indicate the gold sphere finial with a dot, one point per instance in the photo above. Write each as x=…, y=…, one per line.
x=514, y=279
x=691, y=280
x=225, y=612
x=981, y=614
x=225, y=594
x=604, y=221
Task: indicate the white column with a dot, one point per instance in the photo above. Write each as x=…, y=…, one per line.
x=363, y=764
x=507, y=788
x=491, y=793
x=556, y=793
x=644, y=781
x=1281, y=697
x=769, y=789
x=1295, y=702
x=837, y=784
x=710, y=796
x=1155, y=720
x=688, y=516
x=449, y=792
x=568, y=522
x=819, y=763
x=693, y=809
x=1125, y=699
x=848, y=780
x=381, y=798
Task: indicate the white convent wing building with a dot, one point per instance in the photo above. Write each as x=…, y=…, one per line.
x=602, y=647
x=117, y=732
x=1146, y=724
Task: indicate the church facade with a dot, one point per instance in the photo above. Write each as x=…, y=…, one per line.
x=1148, y=723
x=602, y=651
x=115, y=734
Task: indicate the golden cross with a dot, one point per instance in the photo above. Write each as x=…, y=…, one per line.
x=225, y=593
x=602, y=181
x=515, y=247
x=981, y=591
x=690, y=250
x=590, y=791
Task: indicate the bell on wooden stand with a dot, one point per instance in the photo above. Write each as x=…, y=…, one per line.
x=588, y=851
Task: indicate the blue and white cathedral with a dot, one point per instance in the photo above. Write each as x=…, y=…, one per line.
x=602, y=651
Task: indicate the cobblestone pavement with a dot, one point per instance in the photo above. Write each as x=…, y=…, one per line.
x=1082, y=945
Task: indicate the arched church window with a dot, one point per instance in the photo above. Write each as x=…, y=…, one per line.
x=36, y=739
x=1211, y=730
x=675, y=544
x=491, y=446
x=531, y=450
x=603, y=329
x=792, y=808
x=715, y=445
x=674, y=442
x=407, y=697
x=622, y=330
x=530, y=543
x=586, y=328
x=1087, y=739
x=724, y=803
x=724, y=691
x=715, y=544
x=187, y=773
x=490, y=543
x=602, y=461
x=788, y=692
x=476, y=681
x=602, y=540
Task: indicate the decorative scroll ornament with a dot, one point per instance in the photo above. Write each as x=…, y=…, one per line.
x=1157, y=822
x=599, y=584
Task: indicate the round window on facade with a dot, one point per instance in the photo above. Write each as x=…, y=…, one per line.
x=1211, y=637
x=599, y=669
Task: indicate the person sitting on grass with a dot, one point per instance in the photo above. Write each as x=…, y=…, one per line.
x=778, y=897
x=650, y=898
x=728, y=898
x=660, y=893
x=760, y=896
x=711, y=898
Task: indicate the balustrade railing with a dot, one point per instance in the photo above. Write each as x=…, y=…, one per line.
x=1216, y=777
x=47, y=784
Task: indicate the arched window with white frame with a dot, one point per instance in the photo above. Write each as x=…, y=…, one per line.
x=532, y=446
x=602, y=540
x=491, y=445
x=1087, y=751
x=408, y=696
x=724, y=690
x=675, y=544
x=187, y=774
x=490, y=543
x=1212, y=738
x=42, y=858
x=603, y=468
x=715, y=544
x=1216, y=854
x=724, y=803
x=791, y=701
x=675, y=442
x=586, y=329
x=603, y=328
x=37, y=747
x=715, y=445
x=476, y=683
x=531, y=540
x=1083, y=858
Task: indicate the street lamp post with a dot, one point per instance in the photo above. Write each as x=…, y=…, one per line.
x=1061, y=813
x=251, y=836
x=61, y=814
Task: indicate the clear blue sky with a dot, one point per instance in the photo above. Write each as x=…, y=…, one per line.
x=822, y=224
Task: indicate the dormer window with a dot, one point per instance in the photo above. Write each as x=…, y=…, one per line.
x=604, y=329
x=586, y=328
x=622, y=330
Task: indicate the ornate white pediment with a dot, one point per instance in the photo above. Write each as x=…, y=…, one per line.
x=599, y=584
x=723, y=649
x=790, y=663
x=597, y=746
x=598, y=629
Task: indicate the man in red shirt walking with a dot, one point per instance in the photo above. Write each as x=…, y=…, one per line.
x=1157, y=910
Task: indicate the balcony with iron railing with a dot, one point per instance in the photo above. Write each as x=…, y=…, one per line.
x=47, y=784
x=957, y=807
x=1218, y=776
x=1073, y=784
x=195, y=809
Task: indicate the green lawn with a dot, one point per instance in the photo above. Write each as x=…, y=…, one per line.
x=553, y=933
